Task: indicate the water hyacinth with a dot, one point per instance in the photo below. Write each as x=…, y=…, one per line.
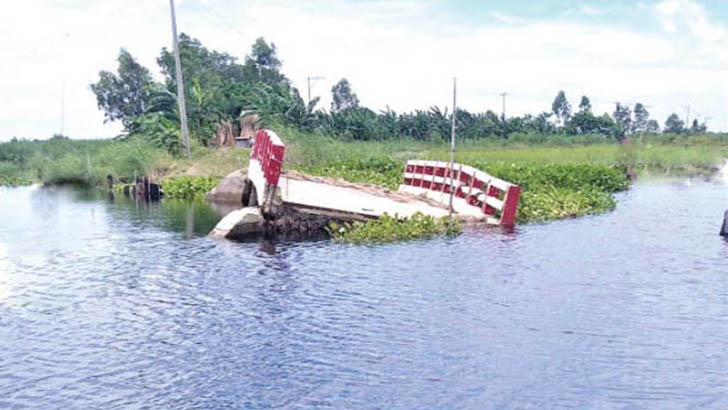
x=392, y=229
x=550, y=190
x=188, y=186
x=8, y=180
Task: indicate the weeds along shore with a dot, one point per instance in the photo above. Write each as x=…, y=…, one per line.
x=558, y=181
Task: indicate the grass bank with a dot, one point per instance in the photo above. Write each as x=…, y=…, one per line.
x=558, y=181
x=90, y=161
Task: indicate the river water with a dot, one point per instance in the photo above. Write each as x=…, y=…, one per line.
x=113, y=304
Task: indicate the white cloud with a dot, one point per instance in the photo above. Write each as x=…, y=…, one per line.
x=691, y=16
x=397, y=54
x=591, y=10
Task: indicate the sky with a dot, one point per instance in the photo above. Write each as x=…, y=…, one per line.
x=671, y=55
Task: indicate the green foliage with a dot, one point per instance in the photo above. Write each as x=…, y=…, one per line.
x=158, y=130
x=11, y=180
x=533, y=177
x=550, y=203
x=585, y=104
x=383, y=171
x=89, y=161
x=674, y=124
x=188, y=186
x=623, y=122
x=122, y=96
x=561, y=107
x=585, y=186
x=264, y=55
x=343, y=97
x=641, y=118
x=218, y=88
x=392, y=229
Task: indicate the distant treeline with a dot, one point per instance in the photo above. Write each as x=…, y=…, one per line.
x=219, y=88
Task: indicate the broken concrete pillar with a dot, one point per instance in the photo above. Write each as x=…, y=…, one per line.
x=238, y=224
x=230, y=189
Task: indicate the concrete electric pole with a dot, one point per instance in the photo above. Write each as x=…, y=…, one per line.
x=308, y=81
x=180, y=84
x=452, y=140
x=504, y=105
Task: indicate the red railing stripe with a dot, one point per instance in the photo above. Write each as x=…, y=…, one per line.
x=466, y=183
x=269, y=152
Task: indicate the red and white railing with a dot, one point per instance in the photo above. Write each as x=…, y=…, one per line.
x=264, y=169
x=496, y=199
x=268, y=150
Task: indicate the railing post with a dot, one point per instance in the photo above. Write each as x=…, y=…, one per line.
x=510, y=206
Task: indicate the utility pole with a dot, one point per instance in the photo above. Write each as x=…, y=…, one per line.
x=63, y=105
x=687, y=115
x=63, y=85
x=504, y=105
x=452, y=140
x=308, y=80
x=180, y=83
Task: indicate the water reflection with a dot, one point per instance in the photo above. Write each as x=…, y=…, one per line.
x=5, y=273
x=191, y=218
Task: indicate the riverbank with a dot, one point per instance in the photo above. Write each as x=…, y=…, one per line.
x=558, y=181
x=90, y=161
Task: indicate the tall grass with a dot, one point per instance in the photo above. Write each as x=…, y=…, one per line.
x=90, y=161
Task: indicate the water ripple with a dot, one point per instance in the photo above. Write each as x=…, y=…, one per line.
x=117, y=304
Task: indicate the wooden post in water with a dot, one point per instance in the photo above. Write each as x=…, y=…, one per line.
x=452, y=141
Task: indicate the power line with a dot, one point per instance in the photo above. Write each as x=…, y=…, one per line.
x=219, y=20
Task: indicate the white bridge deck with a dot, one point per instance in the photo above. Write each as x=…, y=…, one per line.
x=340, y=196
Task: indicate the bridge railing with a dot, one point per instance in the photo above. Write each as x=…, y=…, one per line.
x=497, y=199
x=269, y=150
x=264, y=169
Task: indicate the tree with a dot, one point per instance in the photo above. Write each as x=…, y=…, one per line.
x=641, y=117
x=123, y=95
x=218, y=88
x=343, y=97
x=585, y=105
x=561, y=108
x=264, y=55
x=623, y=121
x=653, y=127
x=697, y=128
x=674, y=124
x=584, y=122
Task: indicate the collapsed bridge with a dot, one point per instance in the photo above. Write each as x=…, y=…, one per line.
x=276, y=200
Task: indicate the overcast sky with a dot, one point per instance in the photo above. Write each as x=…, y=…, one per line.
x=403, y=54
